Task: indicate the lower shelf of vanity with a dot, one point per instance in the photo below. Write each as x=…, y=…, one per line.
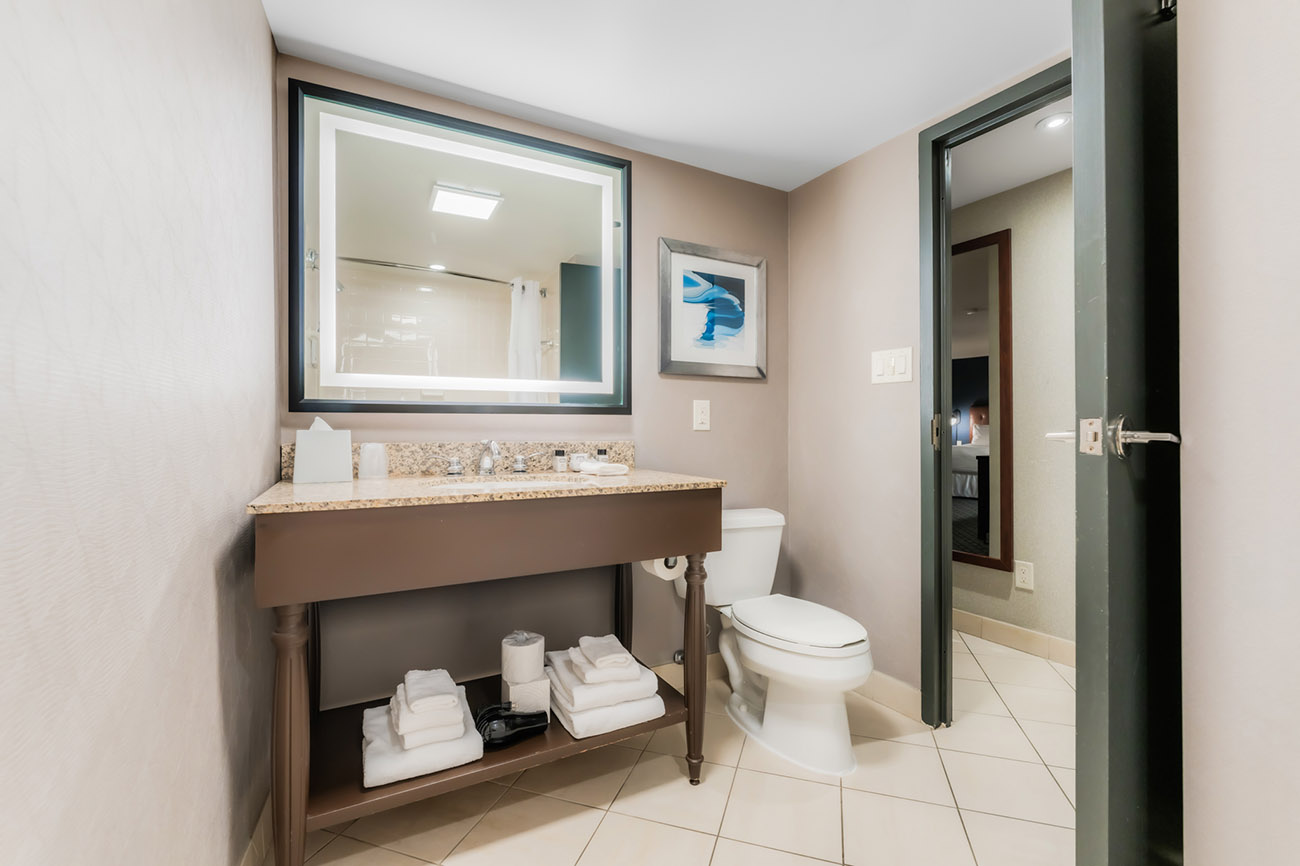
x=335, y=792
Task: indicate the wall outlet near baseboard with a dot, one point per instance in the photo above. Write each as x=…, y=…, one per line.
x=1024, y=575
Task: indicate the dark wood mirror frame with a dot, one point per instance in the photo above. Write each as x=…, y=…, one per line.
x=1005, y=560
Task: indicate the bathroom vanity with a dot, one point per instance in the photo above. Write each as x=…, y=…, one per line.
x=320, y=542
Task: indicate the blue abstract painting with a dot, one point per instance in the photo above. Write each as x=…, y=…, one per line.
x=724, y=298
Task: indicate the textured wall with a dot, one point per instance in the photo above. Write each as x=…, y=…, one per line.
x=747, y=445
x=137, y=416
x=1239, y=83
x=1041, y=218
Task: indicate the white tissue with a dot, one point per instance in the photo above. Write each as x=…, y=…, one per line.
x=531, y=697
x=523, y=654
x=320, y=424
x=660, y=569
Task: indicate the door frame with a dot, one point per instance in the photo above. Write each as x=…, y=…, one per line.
x=935, y=365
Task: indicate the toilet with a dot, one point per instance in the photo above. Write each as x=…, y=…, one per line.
x=790, y=661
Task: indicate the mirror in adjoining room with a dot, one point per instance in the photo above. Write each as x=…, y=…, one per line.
x=439, y=265
x=982, y=508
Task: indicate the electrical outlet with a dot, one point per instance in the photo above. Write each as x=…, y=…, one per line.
x=1025, y=575
x=700, y=415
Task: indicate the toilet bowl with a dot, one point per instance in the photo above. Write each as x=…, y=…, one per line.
x=791, y=661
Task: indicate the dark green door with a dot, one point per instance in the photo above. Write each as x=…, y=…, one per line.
x=1126, y=328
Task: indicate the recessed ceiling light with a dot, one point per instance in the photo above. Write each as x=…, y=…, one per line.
x=1054, y=121
x=437, y=267
x=426, y=288
x=463, y=202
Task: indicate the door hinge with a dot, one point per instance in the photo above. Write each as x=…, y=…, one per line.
x=1168, y=9
x=934, y=432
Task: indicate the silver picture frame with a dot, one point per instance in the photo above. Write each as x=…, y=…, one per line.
x=755, y=311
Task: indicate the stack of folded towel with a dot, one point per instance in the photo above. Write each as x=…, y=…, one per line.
x=597, y=687
x=426, y=727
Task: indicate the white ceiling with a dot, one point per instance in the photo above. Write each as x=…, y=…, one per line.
x=1012, y=155
x=767, y=90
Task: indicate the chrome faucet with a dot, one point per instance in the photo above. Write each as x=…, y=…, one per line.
x=487, y=461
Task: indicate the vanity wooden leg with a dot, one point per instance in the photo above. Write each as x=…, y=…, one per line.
x=694, y=668
x=290, y=735
x=623, y=604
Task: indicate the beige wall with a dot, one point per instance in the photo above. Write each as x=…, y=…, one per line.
x=1041, y=218
x=747, y=445
x=138, y=417
x=1239, y=84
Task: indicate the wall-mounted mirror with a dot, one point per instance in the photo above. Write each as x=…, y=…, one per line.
x=438, y=265
x=982, y=509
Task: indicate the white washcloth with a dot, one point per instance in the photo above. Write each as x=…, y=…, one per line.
x=383, y=760
x=430, y=690
x=589, y=696
x=432, y=735
x=589, y=673
x=591, y=723
x=595, y=467
x=606, y=652
x=407, y=721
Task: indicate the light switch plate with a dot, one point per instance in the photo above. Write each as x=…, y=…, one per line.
x=700, y=415
x=891, y=365
x=1024, y=575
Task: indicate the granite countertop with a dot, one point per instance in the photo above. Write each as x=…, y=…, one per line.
x=399, y=491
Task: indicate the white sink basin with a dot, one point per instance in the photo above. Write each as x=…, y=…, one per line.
x=509, y=485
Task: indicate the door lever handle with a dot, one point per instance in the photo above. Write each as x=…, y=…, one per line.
x=1121, y=437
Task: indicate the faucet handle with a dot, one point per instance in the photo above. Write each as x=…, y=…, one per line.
x=521, y=461
x=453, y=464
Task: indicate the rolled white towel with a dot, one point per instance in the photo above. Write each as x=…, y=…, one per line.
x=589, y=673
x=602, y=720
x=430, y=690
x=594, y=467
x=589, y=696
x=606, y=652
x=383, y=760
x=407, y=721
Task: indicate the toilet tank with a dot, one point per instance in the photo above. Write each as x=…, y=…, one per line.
x=746, y=565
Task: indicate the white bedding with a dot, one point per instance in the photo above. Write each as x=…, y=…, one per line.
x=965, y=478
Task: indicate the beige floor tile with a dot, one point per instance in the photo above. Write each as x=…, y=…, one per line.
x=1007, y=842
x=870, y=719
x=1055, y=743
x=964, y=667
x=1039, y=705
x=339, y=828
x=625, y=841
x=981, y=647
x=900, y=770
x=1066, y=778
x=638, y=742
x=761, y=759
x=783, y=813
x=670, y=673
x=716, y=693
x=528, y=828
x=658, y=790
x=1014, y=789
x=342, y=851
x=590, y=778
x=1067, y=673
x=316, y=840
x=722, y=740
x=959, y=643
x=889, y=831
x=729, y=852
x=508, y=779
x=1022, y=671
x=431, y=828
x=999, y=736
x=969, y=696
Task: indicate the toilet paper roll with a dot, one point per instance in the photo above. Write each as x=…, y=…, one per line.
x=659, y=568
x=530, y=697
x=523, y=653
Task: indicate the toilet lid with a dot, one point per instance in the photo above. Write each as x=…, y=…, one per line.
x=798, y=621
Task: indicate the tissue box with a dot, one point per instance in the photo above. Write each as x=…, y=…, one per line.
x=322, y=454
x=527, y=697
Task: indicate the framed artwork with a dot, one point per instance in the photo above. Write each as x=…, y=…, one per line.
x=712, y=311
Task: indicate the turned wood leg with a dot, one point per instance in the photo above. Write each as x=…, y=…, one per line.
x=623, y=604
x=694, y=669
x=290, y=735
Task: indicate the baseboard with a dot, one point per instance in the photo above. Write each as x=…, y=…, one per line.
x=255, y=853
x=899, y=696
x=1038, y=643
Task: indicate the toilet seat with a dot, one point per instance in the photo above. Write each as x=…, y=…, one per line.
x=799, y=625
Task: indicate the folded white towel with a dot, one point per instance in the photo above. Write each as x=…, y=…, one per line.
x=430, y=690
x=383, y=760
x=595, y=467
x=606, y=652
x=432, y=735
x=407, y=721
x=589, y=696
x=591, y=723
x=589, y=673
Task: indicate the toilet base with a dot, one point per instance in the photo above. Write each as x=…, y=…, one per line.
x=807, y=727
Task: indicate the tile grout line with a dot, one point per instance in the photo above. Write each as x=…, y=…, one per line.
x=505, y=789
x=957, y=807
